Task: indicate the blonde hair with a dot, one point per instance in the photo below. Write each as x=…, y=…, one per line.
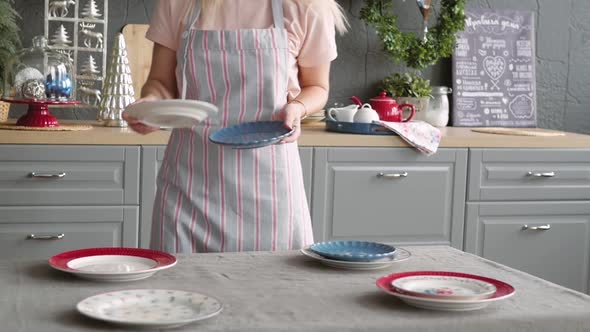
x=340, y=21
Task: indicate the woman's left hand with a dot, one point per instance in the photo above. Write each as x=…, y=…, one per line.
x=291, y=116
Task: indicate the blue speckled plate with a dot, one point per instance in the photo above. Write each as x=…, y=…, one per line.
x=250, y=135
x=354, y=251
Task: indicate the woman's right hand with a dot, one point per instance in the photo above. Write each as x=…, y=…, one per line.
x=136, y=124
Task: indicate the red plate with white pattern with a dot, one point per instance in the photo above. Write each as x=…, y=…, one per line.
x=503, y=291
x=112, y=264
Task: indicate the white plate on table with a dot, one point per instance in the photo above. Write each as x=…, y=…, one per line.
x=400, y=255
x=449, y=287
x=150, y=308
x=172, y=113
x=112, y=264
x=503, y=291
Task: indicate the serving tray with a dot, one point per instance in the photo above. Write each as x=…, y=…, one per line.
x=357, y=128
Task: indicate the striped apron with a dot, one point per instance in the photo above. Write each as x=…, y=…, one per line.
x=212, y=198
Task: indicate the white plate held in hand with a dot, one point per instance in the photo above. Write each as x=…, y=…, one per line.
x=171, y=113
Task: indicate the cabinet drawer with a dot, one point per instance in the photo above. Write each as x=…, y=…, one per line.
x=524, y=174
x=41, y=232
x=389, y=195
x=69, y=175
x=548, y=239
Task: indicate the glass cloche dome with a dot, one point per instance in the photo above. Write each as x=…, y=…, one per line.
x=40, y=77
x=39, y=74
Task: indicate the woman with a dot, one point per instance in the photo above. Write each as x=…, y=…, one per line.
x=256, y=60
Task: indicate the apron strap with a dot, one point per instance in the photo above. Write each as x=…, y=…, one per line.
x=194, y=16
x=277, y=14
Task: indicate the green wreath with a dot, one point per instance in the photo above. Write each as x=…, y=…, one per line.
x=414, y=51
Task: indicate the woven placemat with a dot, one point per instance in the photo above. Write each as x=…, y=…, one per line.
x=517, y=132
x=61, y=127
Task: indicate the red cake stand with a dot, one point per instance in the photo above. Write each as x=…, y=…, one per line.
x=38, y=114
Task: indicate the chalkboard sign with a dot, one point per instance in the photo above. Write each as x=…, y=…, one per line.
x=494, y=70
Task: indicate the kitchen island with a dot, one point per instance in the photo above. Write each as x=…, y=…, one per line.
x=286, y=291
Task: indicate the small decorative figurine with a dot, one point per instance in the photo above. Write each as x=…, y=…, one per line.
x=67, y=53
x=89, y=95
x=91, y=10
x=61, y=38
x=60, y=7
x=90, y=36
x=89, y=68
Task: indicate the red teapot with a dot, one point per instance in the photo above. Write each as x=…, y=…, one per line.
x=387, y=108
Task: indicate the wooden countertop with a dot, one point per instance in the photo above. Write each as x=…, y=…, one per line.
x=313, y=135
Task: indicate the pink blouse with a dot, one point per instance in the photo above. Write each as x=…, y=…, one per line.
x=309, y=24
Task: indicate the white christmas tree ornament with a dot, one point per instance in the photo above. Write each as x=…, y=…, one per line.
x=91, y=10
x=90, y=68
x=60, y=37
x=117, y=88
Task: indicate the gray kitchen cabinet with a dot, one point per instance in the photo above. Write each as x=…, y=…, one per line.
x=550, y=240
x=43, y=231
x=68, y=175
x=529, y=174
x=151, y=160
x=548, y=190
x=55, y=198
x=306, y=155
x=393, y=195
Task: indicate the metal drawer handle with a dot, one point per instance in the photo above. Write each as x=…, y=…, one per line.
x=537, y=228
x=541, y=175
x=46, y=237
x=392, y=175
x=47, y=176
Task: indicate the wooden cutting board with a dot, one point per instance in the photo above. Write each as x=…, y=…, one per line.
x=139, y=51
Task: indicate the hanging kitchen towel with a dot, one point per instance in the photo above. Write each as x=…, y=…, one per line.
x=421, y=135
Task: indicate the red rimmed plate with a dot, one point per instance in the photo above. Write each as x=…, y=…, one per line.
x=112, y=263
x=503, y=291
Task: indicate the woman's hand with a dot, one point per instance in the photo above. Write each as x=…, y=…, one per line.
x=160, y=84
x=291, y=116
x=314, y=83
x=136, y=124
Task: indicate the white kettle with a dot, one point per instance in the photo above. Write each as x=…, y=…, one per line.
x=366, y=114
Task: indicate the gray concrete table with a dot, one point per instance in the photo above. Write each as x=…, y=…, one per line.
x=285, y=291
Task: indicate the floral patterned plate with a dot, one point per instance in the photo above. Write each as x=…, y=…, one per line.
x=150, y=308
x=503, y=291
x=450, y=287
